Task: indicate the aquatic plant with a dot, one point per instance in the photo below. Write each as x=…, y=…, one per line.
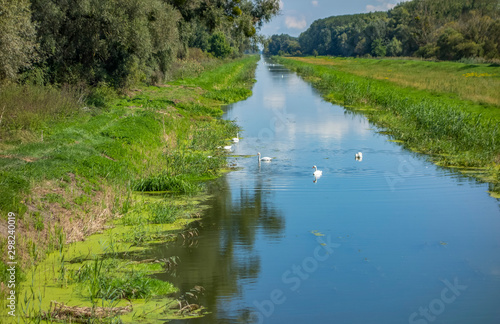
x=83, y=169
x=165, y=182
x=108, y=279
x=163, y=213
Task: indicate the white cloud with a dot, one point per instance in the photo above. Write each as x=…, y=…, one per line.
x=315, y=3
x=383, y=5
x=274, y=100
x=295, y=23
x=281, y=4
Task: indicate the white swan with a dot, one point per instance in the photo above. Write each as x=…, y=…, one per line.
x=227, y=147
x=317, y=173
x=237, y=138
x=359, y=156
x=265, y=158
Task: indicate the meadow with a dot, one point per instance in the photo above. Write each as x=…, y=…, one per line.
x=73, y=163
x=478, y=83
x=448, y=110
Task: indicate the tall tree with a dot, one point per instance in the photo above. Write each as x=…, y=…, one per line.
x=445, y=29
x=17, y=37
x=115, y=41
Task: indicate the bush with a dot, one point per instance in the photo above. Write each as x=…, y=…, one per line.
x=219, y=45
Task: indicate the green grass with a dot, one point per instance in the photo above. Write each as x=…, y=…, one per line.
x=163, y=139
x=31, y=107
x=110, y=279
x=454, y=131
x=115, y=144
x=478, y=83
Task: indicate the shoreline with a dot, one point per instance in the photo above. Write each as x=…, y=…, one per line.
x=447, y=130
x=183, y=124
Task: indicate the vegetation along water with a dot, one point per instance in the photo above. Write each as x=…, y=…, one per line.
x=120, y=164
x=447, y=110
x=110, y=124
x=88, y=121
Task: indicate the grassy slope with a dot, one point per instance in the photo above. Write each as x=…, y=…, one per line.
x=478, y=83
x=85, y=170
x=448, y=110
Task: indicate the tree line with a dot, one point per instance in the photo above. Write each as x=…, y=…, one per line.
x=120, y=42
x=442, y=29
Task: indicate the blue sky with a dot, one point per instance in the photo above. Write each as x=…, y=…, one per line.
x=297, y=15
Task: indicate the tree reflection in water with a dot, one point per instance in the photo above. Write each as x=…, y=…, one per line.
x=224, y=255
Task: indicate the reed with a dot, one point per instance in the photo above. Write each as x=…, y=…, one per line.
x=467, y=80
x=32, y=107
x=166, y=182
x=108, y=280
x=91, y=160
x=453, y=131
x=163, y=213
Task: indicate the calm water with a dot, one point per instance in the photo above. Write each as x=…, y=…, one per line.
x=389, y=239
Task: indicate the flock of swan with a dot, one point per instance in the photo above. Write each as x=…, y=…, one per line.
x=317, y=173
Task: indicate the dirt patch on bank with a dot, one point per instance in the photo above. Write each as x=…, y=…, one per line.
x=62, y=212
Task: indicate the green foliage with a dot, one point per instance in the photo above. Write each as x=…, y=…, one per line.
x=228, y=95
x=444, y=29
x=105, y=280
x=219, y=47
x=457, y=134
x=100, y=96
x=141, y=128
x=395, y=47
x=378, y=48
x=200, y=110
x=163, y=213
x=24, y=107
x=121, y=42
x=17, y=38
x=448, y=42
x=236, y=11
x=282, y=45
x=165, y=182
x=13, y=185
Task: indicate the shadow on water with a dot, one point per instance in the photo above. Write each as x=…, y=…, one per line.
x=223, y=254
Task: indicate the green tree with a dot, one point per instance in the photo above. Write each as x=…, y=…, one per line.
x=219, y=46
x=448, y=42
x=378, y=48
x=17, y=37
x=284, y=44
x=430, y=50
x=119, y=41
x=411, y=28
x=239, y=19
x=395, y=47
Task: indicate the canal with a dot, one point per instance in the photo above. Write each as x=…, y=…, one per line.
x=389, y=238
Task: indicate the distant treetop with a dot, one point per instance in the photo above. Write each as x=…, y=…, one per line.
x=442, y=29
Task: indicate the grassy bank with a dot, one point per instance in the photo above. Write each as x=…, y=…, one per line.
x=449, y=111
x=477, y=83
x=67, y=173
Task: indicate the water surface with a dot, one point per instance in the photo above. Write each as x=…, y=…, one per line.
x=389, y=239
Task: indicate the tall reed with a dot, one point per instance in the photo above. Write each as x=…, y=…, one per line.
x=434, y=124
